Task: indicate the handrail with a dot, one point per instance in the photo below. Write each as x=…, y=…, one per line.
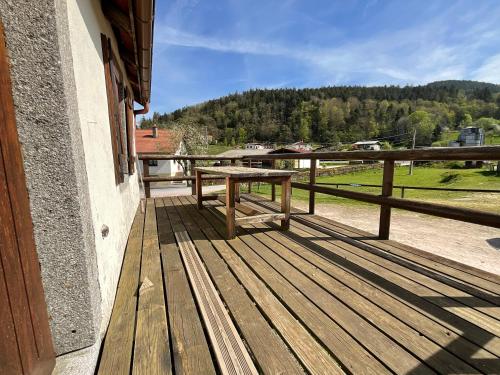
x=408, y=187
x=423, y=154
x=160, y=156
x=385, y=200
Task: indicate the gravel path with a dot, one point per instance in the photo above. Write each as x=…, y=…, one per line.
x=475, y=245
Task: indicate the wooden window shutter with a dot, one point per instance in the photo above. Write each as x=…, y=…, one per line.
x=113, y=110
x=121, y=119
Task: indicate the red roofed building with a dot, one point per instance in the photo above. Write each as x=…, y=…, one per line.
x=160, y=140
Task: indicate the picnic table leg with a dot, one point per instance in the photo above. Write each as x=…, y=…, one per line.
x=273, y=185
x=286, y=188
x=237, y=192
x=230, y=208
x=199, y=196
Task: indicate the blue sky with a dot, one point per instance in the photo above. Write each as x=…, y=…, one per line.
x=205, y=49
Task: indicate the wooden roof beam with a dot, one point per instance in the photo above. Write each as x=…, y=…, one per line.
x=117, y=18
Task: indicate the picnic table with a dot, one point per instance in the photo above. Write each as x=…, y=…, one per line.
x=236, y=175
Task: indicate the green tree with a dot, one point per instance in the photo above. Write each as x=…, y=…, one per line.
x=488, y=124
x=466, y=120
x=305, y=123
x=422, y=122
x=242, y=135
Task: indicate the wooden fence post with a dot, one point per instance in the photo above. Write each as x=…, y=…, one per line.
x=312, y=181
x=193, y=182
x=385, y=211
x=249, y=183
x=273, y=185
x=145, y=173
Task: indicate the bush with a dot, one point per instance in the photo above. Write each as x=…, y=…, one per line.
x=440, y=144
x=449, y=178
x=454, y=165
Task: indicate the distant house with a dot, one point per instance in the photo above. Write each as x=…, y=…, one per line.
x=367, y=145
x=300, y=146
x=164, y=141
x=255, y=146
x=295, y=148
x=248, y=152
x=471, y=136
x=297, y=163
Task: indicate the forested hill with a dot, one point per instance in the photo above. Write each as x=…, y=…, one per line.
x=330, y=115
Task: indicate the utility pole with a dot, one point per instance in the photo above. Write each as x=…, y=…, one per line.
x=410, y=172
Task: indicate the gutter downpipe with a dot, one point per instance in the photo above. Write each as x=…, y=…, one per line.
x=142, y=111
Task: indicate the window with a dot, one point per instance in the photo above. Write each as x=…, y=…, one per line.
x=153, y=163
x=120, y=110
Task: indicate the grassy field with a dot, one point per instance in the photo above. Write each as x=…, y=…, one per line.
x=218, y=148
x=422, y=176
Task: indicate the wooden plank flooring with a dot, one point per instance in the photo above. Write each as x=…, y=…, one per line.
x=321, y=298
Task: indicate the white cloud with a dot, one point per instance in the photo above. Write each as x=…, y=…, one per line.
x=489, y=71
x=422, y=53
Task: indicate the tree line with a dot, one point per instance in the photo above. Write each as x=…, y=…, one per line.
x=344, y=114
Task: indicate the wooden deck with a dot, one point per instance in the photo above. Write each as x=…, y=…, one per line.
x=321, y=298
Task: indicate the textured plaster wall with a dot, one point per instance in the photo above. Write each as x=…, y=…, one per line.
x=49, y=130
x=111, y=205
x=62, y=118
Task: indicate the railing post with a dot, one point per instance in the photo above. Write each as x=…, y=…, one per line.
x=385, y=211
x=193, y=182
x=312, y=181
x=145, y=173
x=273, y=186
x=249, y=183
x=402, y=191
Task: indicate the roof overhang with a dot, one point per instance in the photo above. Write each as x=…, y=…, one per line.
x=133, y=22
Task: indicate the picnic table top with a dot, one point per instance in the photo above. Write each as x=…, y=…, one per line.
x=232, y=171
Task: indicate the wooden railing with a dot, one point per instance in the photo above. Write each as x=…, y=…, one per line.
x=403, y=188
x=385, y=199
x=148, y=179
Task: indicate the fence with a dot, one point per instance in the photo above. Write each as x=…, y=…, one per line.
x=385, y=199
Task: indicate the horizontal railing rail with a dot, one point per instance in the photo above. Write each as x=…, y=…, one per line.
x=422, y=154
x=385, y=199
x=159, y=156
x=407, y=187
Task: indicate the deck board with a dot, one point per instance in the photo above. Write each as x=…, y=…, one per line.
x=427, y=268
x=269, y=350
x=327, y=331
x=322, y=297
x=412, y=324
x=470, y=275
x=119, y=342
x=308, y=350
x=152, y=342
x=190, y=349
x=380, y=266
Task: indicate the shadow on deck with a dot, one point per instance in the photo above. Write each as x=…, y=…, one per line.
x=320, y=298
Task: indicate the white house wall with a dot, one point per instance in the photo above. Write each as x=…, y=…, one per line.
x=112, y=206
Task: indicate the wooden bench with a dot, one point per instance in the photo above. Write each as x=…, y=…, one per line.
x=236, y=175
